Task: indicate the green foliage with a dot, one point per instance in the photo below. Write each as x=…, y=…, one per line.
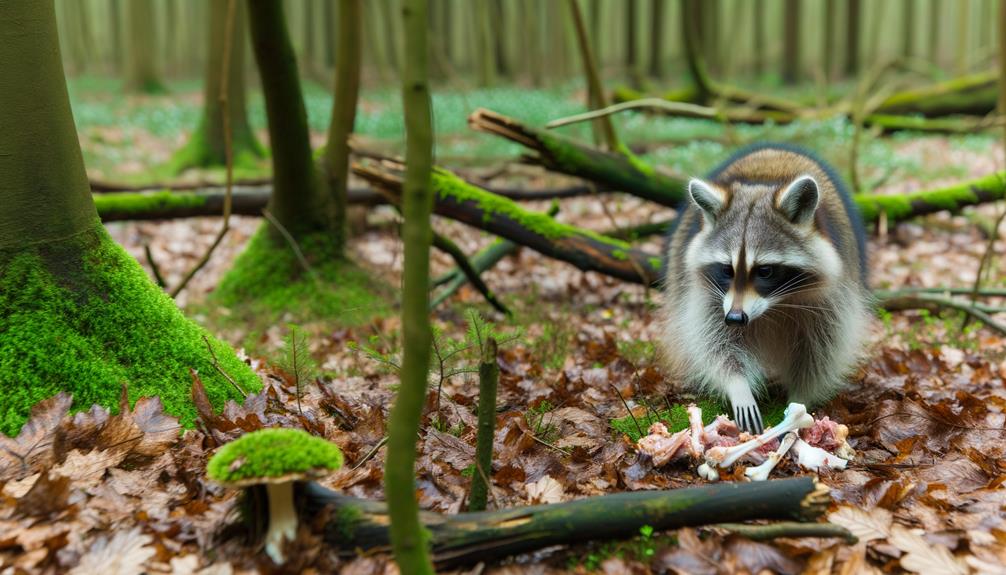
x=640, y=548
x=272, y=453
x=268, y=282
x=539, y=419
x=81, y=316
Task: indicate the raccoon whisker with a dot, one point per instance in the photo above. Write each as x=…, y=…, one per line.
x=797, y=290
x=793, y=281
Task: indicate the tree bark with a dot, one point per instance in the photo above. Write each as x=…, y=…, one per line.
x=588, y=251
x=296, y=199
x=908, y=28
x=207, y=145
x=347, y=92
x=657, y=17
x=77, y=313
x=407, y=536
x=468, y=538
x=791, y=42
x=852, y=29
x=142, y=71
x=935, y=15
x=828, y=47
x=759, y=36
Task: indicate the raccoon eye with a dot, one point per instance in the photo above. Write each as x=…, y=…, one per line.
x=764, y=272
x=728, y=270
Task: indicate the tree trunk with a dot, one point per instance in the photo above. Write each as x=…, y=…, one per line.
x=347, y=91
x=115, y=12
x=935, y=15
x=963, y=15
x=759, y=36
x=828, y=47
x=632, y=43
x=791, y=42
x=296, y=199
x=484, y=40
x=207, y=146
x=908, y=28
x=77, y=313
x=500, y=28
x=852, y=28
x=407, y=535
x=142, y=70
x=657, y=17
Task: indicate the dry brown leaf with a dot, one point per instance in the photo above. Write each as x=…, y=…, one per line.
x=921, y=556
x=32, y=450
x=865, y=525
x=87, y=469
x=123, y=554
x=48, y=495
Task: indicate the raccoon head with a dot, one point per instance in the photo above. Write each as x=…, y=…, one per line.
x=758, y=248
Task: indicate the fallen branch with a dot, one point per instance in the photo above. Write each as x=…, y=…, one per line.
x=935, y=303
x=620, y=171
x=166, y=205
x=788, y=529
x=639, y=179
x=450, y=248
x=459, y=200
x=465, y=538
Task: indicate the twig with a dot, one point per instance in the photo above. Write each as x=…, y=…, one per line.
x=228, y=150
x=788, y=529
x=934, y=302
x=984, y=292
x=373, y=451
x=651, y=103
x=220, y=370
x=447, y=246
x=488, y=380
x=626, y=404
x=593, y=76
x=291, y=241
x=153, y=266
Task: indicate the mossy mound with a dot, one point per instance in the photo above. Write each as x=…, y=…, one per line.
x=198, y=152
x=80, y=315
x=269, y=283
x=272, y=453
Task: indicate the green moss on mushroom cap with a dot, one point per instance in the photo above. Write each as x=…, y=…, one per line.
x=273, y=453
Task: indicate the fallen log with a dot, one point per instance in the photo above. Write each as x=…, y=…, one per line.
x=459, y=200
x=617, y=171
x=249, y=201
x=352, y=524
x=645, y=182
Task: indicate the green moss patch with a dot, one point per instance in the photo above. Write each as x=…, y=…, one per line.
x=81, y=316
x=269, y=283
x=272, y=453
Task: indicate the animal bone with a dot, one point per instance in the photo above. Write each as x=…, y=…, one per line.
x=796, y=417
x=814, y=458
x=761, y=472
x=697, y=446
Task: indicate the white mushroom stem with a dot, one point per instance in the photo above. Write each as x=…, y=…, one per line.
x=796, y=417
x=696, y=446
x=761, y=472
x=814, y=458
x=282, y=519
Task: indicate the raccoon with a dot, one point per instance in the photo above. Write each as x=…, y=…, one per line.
x=766, y=281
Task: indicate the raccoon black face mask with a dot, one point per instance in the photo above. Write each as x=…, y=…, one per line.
x=766, y=281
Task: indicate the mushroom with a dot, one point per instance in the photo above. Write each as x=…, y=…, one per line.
x=276, y=459
x=761, y=472
x=795, y=417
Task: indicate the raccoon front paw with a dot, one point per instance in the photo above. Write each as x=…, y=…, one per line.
x=748, y=418
x=746, y=413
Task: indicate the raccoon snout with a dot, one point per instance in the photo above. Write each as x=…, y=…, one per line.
x=737, y=317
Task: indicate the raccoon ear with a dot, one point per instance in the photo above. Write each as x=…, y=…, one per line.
x=707, y=198
x=798, y=201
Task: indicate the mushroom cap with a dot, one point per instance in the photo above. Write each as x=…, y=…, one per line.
x=273, y=456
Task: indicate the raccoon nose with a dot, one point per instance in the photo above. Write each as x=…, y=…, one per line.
x=737, y=317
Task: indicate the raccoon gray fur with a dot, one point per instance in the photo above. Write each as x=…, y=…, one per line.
x=766, y=281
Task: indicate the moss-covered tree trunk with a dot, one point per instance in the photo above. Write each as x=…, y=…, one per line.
x=207, y=147
x=297, y=201
x=408, y=537
x=77, y=313
x=142, y=70
x=347, y=92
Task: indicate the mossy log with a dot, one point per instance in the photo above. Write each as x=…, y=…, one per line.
x=581, y=160
x=352, y=525
x=974, y=94
x=459, y=200
x=619, y=171
x=166, y=205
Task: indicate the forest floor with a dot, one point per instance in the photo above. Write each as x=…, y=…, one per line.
x=128, y=493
